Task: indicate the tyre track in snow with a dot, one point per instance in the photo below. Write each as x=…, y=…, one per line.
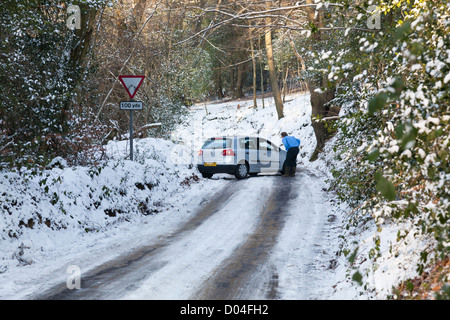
x=105, y=280
x=193, y=257
x=285, y=255
x=173, y=264
x=225, y=251
x=246, y=274
x=305, y=255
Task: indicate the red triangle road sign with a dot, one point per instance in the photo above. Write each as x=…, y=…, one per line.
x=131, y=84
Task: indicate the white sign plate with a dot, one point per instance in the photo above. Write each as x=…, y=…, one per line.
x=131, y=105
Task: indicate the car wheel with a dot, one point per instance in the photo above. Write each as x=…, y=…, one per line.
x=207, y=175
x=241, y=171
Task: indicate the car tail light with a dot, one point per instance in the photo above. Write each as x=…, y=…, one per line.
x=200, y=152
x=228, y=152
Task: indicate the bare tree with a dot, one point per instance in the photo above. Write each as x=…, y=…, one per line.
x=272, y=69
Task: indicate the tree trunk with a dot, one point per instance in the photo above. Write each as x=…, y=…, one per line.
x=138, y=12
x=84, y=34
x=262, y=72
x=318, y=100
x=301, y=61
x=254, y=68
x=273, y=71
x=232, y=80
x=218, y=84
x=285, y=85
x=318, y=108
x=238, y=93
x=79, y=56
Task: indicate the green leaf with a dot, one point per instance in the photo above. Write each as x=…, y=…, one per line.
x=409, y=285
x=410, y=209
x=385, y=187
x=377, y=102
x=357, y=277
x=352, y=257
x=373, y=155
x=403, y=30
x=409, y=137
x=398, y=87
x=313, y=27
x=399, y=131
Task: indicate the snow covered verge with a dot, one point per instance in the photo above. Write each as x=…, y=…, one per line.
x=375, y=257
x=358, y=275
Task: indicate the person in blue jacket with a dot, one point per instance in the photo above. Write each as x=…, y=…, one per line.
x=292, y=145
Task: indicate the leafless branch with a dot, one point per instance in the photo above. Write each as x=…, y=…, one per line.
x=128, y=59
x=278, y=13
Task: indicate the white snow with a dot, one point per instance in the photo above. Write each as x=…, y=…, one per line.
x=220, y=235
x=75, y=203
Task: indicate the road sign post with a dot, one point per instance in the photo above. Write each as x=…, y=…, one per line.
x=131, y=85
x=131, y=135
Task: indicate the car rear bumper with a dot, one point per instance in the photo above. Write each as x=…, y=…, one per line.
x=220, y=168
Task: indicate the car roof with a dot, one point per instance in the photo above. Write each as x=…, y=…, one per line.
x=227, y=136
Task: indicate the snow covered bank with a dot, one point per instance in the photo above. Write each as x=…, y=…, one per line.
x=372, y=260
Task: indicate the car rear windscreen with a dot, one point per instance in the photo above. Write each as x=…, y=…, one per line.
x=217, y=143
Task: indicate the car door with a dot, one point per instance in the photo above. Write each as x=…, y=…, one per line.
x=269, y=157
x=250, y=147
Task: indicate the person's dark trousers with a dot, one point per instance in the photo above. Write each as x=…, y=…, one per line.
x=291, y=159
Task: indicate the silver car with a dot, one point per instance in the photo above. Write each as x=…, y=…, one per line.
x=239, y=155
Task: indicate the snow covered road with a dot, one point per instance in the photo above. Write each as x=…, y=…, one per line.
x=266, y=237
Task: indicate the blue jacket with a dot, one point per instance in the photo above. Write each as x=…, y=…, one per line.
x=290, y=142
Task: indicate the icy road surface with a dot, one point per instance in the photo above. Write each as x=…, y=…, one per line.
x=265, y=237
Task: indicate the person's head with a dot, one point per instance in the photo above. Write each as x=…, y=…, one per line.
x=284, y=134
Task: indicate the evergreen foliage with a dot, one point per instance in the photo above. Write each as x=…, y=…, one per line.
x=393, y=88
x=39, y=76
